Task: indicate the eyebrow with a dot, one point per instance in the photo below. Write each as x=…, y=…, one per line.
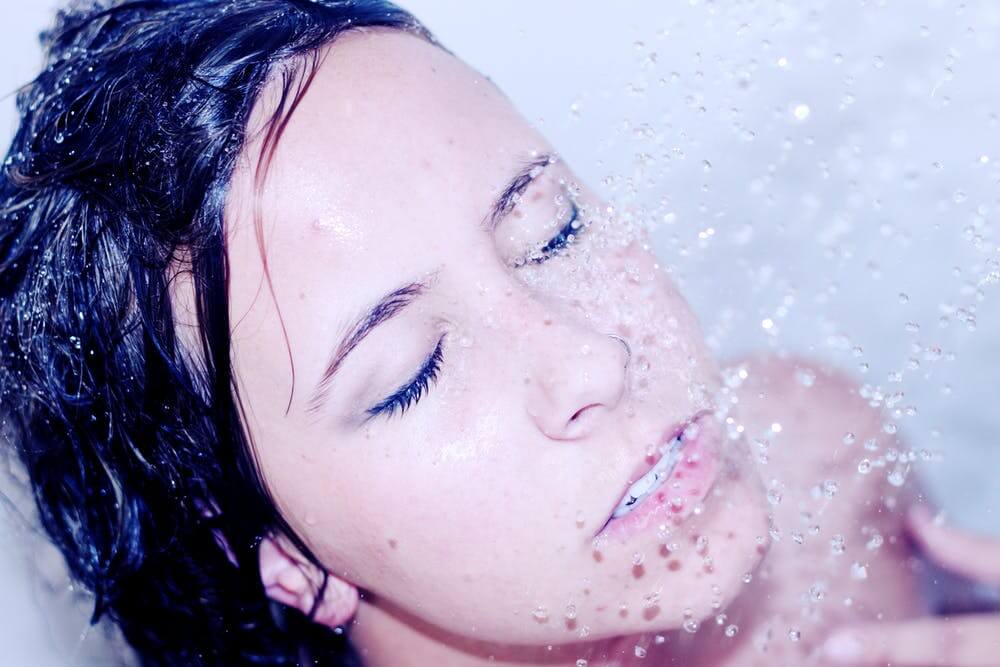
x=393, y=303
x=509, y=196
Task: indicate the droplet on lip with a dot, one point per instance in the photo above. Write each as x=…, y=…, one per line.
x=691, y=431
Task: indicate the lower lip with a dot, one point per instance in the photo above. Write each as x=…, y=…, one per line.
x=685, y=488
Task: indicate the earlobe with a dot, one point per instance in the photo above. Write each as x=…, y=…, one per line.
x=292, y=580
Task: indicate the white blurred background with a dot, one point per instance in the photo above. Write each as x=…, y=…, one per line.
x=825, y=174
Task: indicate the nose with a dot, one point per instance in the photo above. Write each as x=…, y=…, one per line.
x=575, y=375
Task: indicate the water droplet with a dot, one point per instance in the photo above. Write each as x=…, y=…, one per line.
x=640, y=652
x=859, y=571
x=731, y=630
x=837, y=546
x=801, y=111
x=540, y=614
x=691, y=625
x=60, y=137
x=570, y=611
x=773, y=496
x=794, y=635
x=581, y=663
x=849, y=438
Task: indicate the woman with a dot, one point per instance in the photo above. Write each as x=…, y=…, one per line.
x=317, y=353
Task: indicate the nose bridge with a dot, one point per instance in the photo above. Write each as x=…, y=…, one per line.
x=573, y=371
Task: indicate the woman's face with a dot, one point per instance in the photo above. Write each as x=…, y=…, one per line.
x=483, y=507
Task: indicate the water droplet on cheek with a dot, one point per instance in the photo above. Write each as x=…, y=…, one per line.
x=540, y=614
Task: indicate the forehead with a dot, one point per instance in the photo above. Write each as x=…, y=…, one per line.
x=384, y=171
x=393, y=129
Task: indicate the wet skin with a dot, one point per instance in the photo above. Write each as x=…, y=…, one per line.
x=468, y=519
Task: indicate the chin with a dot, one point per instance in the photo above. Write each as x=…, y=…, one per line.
x=701, y=568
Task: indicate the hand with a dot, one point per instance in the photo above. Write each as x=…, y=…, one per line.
x=966, y=640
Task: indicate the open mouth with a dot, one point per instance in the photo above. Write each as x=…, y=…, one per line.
x=670, y=454
x=686, y=467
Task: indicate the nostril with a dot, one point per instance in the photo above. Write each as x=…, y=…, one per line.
x=579, y=412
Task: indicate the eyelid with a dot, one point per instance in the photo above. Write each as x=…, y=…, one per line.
x=411, y=391
x=534, y=255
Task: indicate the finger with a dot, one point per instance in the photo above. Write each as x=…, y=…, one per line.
x=976, y=557
x=971, y=640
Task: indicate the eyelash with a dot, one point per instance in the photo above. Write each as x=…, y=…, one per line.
x=428, y=373
x=558, y=242
x=415, y=389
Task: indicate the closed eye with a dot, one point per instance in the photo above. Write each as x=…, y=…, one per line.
x=411, y=392
x=567, y=235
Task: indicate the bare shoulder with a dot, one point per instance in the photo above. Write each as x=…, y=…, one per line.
x=807, y=418
x=827, y=461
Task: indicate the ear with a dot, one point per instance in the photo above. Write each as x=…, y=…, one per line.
x=292, y=580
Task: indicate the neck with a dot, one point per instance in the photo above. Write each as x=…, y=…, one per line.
x=385, y=635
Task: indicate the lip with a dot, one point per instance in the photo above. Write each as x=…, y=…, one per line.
x=685, y=488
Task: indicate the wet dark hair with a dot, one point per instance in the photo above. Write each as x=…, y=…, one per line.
x=114, y=185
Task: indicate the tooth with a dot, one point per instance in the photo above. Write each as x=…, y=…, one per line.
x=650, y=481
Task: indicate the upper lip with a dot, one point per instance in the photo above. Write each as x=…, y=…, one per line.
x=644, y=465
